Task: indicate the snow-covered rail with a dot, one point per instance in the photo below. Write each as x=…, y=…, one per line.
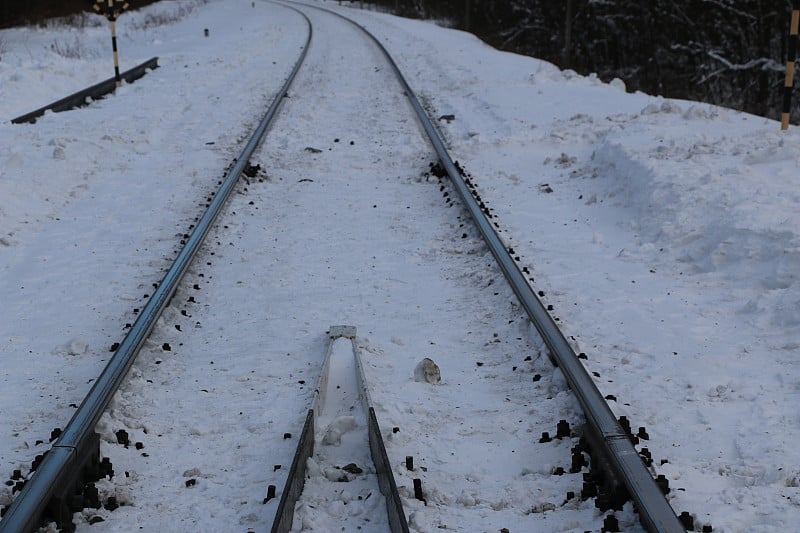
x=342, y=418
x=55, y=490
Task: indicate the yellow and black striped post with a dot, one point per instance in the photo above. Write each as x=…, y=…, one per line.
x=111, y=9
x=113, y=20
x=787, y=88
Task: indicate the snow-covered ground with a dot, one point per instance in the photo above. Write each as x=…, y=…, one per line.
x=665, y=234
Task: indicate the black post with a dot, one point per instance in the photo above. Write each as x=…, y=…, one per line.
x=110, y=9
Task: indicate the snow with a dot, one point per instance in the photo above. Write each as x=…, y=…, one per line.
x=664, y=233
x=342, y=455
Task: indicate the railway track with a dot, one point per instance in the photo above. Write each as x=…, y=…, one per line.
x=362, y=279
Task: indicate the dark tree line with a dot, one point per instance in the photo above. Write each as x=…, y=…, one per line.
x=727, y=52
x=18, y=12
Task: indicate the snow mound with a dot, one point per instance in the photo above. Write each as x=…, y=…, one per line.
x=678, y=204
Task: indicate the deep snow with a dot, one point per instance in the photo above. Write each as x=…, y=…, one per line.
x=664, y=233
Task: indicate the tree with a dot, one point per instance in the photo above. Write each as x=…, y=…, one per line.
x=727, y=52
x=18, y=12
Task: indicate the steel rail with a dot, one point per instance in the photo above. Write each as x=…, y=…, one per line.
x=63, y=461
x=618, y=452
x=377, y=449
x=96, y=91
x=295, y=481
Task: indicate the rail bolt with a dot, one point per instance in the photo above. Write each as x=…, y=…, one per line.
x=578, y=461
x=122, y=437
x=270, y=493
x=611, y=524
x=562, y=430
x=111, y=504
x=663, y=483
x=37, y=461
x=91, y=496
x=106, y=468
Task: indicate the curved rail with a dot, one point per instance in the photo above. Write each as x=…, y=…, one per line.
x=606, y=434
x=65, y=460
